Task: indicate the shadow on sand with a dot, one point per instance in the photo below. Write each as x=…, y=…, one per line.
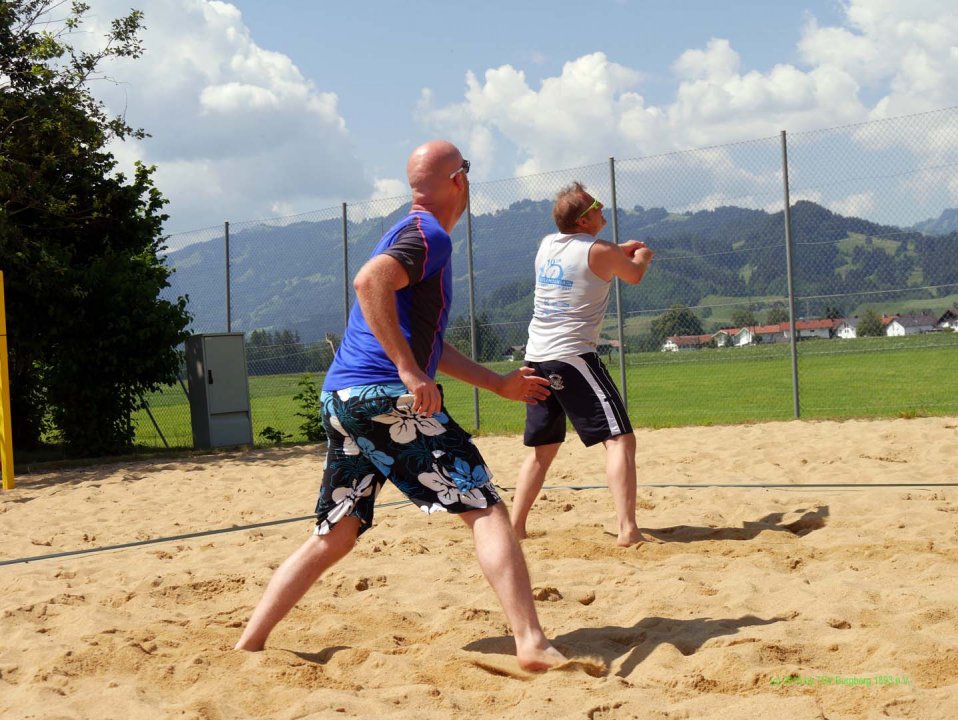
x=634, y=643
x=809, y=521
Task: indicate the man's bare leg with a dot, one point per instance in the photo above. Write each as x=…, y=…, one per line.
x=294, y=577
x=532, y=475
x=620, y=474
x=504, y=566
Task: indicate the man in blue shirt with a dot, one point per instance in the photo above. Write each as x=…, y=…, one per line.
x=384, y=416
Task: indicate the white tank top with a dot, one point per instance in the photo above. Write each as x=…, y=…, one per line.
x=570, y=299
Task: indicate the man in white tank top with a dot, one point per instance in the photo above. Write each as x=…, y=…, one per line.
x=574, y=272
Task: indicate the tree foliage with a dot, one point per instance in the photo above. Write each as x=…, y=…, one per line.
x=776, y=314
x=311, y=410
x=80, y=242
x=833, y=312
x=869, y=324
x=279, y=352
x=677, y=320
x=743, y=317
x=489, y=344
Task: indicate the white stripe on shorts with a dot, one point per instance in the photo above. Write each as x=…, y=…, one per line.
x=595, y=383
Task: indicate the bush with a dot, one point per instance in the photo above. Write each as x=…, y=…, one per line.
x=271, y=434
x=308, y=399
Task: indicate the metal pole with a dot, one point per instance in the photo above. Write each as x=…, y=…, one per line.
x=229, y=317
x=157, y=426
x=345, y=271
x=618, y=289
x=788, y=271
x=473, y=329
x=6, y=421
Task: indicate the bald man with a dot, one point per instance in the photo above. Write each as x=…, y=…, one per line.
x=385, y=419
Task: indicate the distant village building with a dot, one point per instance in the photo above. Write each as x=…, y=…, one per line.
x=681, y=343
x=514, y=352
x=722, y=338
x=818, y=328
x=823, y=328
x=782, y=332
x=948, y=321
x=847, y=328
x=606, y=346
x=912, y=324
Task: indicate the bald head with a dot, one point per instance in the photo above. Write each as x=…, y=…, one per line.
x=429, y=169
x=430, y=163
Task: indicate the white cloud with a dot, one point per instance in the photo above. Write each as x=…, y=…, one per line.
x=389, y=188
x=571, y=120
x=904, y=48
x=886, y=58
x=718, y=63
x=857, y=205
x=237, y=131
x=240, y=133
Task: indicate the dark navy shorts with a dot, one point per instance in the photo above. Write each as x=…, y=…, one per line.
x=431, y=460
x=582, y=391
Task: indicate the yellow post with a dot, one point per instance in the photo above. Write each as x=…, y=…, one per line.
x=6, y=432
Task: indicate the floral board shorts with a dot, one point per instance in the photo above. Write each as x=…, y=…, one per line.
x=431, y=459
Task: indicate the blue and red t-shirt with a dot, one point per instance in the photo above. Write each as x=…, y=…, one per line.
x=424, y=249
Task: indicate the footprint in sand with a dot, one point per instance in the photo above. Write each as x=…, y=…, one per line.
x=590, y=666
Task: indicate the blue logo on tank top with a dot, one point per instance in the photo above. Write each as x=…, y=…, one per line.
x=552, y=274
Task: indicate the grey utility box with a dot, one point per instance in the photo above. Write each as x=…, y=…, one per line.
x=219, y=390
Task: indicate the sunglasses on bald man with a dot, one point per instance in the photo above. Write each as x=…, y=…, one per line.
x=464, y=169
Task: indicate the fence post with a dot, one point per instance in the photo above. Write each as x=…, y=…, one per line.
x=345, y=271
x=618, y=289
x=473, y=330
x=788, y=271
x=229, y=316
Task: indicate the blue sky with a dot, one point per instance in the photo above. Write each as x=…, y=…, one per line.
x=378, y=56
x=260, y=109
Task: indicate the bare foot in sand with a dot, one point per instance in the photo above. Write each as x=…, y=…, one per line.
x=634, y=537
x=247, y=647
x=534, y=659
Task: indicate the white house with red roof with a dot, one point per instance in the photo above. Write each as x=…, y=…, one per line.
x=816, y=328
x=781, y=332
x=682, y=343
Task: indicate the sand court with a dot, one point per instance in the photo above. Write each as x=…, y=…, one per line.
x=811, y=600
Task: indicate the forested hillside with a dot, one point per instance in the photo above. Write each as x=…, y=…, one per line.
x=292, y=277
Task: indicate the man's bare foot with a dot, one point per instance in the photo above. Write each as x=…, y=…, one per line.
x=248, y=647
x=634, y=537
x=538, y=659
x=520, y=533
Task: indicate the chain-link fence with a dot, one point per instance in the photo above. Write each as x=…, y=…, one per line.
x=868, y=247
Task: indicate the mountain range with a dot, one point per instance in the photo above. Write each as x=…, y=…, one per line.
x=944, y=224
x=292, y=278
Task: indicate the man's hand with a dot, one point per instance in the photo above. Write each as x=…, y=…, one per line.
x=427, y=399
x=643, y=255
x=630, y=247
x=523, y=386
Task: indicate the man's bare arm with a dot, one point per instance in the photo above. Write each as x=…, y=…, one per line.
x=519, y=385
x=627, y=261
x=376, y=284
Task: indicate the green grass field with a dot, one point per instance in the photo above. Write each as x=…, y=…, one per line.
x=868, y=377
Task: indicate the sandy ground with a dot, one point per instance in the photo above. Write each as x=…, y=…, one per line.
x=781, y=602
